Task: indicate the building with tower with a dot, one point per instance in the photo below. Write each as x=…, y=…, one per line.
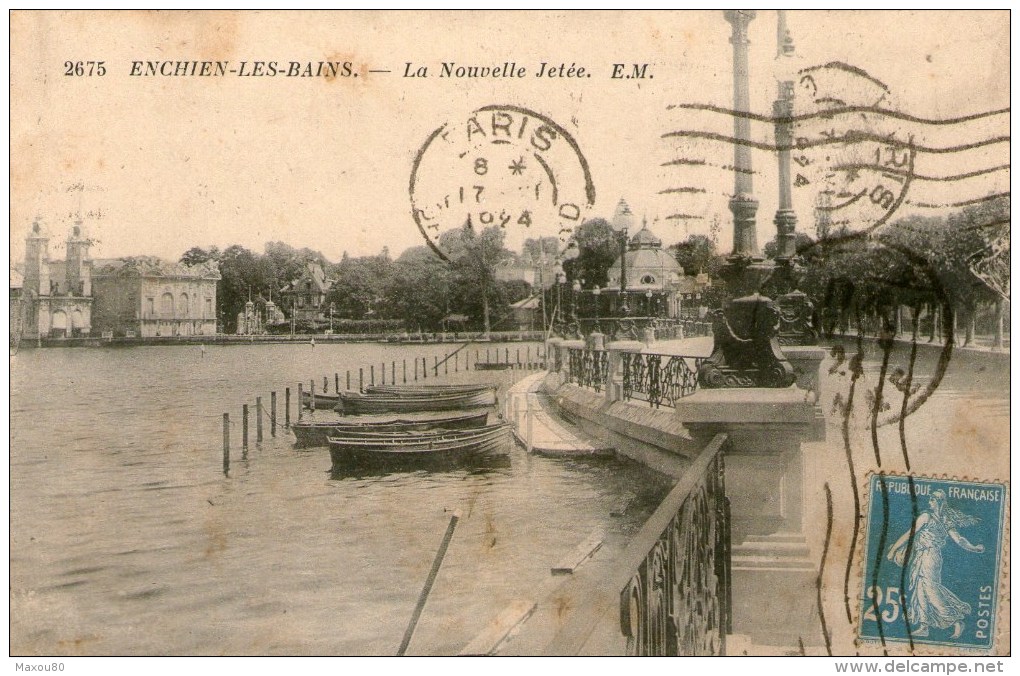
x=304, y=298
x=654, y=283
x=56, y=296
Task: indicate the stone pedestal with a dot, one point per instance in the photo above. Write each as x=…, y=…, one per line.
x=614, y=379
x=561, y=362
x=806, y=361
x=774, y=570
x=553, y=356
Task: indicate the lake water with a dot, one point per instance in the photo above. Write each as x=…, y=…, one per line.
x=126, y=537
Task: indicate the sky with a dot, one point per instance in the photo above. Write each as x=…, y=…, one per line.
x=156, y=165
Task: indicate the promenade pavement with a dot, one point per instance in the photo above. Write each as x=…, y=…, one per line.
x=538, y=428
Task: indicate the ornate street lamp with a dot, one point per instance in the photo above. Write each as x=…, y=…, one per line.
x=621, y=223
x=559, y=275
x=575, y=289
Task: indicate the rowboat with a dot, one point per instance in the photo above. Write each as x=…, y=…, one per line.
x=430, y=390
x=449, y=447
x=322, y=401
x=387, y=402
x=316, y=433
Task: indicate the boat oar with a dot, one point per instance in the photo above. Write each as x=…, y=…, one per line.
x=423, y=597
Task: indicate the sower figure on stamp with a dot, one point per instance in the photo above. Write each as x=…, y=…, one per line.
x=930, y=603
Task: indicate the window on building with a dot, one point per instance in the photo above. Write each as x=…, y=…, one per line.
x=184, y=305
x=150, y=307
x=208, y=308
x=648, y=279
x=166, y=304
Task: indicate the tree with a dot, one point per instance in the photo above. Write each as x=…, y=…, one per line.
x=804, y=245
x=360, y=287
x=418, y=290
x=289, y=263
x=599, y=249
x=697, y=254
x=474, y=259
x=533, y=251
x=197, y=255
x=243, y=274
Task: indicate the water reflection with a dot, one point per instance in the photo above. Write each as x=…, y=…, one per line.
x=480, y=467
x=126, y=538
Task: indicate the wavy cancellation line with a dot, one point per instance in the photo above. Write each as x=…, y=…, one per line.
x=962, y=203
x=922, y=177
x=852, y=137
x=833, y=112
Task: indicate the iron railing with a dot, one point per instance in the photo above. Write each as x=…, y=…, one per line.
x=588, y=368
x=684, y=328
x=673, y=582
x=633, y=328
x=659, y=379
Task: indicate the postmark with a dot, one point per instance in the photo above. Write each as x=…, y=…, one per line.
x=848, y=149
x=501, y=165
x=932, y=561
x=851, y=153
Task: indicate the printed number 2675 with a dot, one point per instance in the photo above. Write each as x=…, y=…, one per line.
x=84, y=68
x=890, y=609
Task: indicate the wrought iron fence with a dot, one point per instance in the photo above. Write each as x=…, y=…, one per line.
x=588, y=368
x=659, y=379
x=694, y=328
x=633, y=328
x=672, y=585
x=677, y=602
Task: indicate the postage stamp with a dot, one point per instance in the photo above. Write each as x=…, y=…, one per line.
x=932, y=560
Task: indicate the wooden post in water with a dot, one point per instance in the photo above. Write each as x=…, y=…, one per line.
x=300, y=401
x=506, y=355
x=325, y=384
x=311, y=393
x=405, y=370
x=415, y=369
x=348, y=379
x=446, y=365
x=244, y=426
x=424, y=369
x=529, y=357
x=435, y=367
x=382, y=370
x=424, y=596
x=361, y=379
x=518, y=357
x=286, y=408
x=530, y=423
x=272, y=414
x=371, y=374
x=476, y=360
x=258, y=420
x=393, y=372
x=336, y=382
x=226, y=443
x=456, y=363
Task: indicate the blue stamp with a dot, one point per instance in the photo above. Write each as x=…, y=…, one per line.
x=932, y=552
